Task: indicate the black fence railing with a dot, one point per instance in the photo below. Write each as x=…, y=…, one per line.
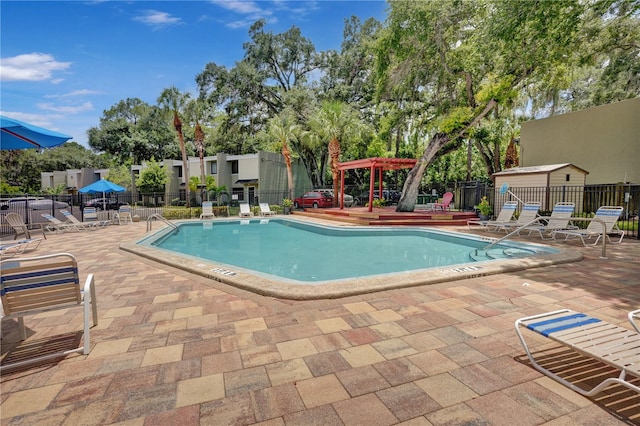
x=467, y=195
x=587, y=199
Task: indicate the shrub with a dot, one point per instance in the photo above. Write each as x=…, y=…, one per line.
x=484, y=207
x=378, y=203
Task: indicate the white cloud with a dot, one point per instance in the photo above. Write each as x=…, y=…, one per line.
x=250, y=9
x=87, y=106
x=243, y=7
x=156, y=18
x=30, y=67
x=82, y=92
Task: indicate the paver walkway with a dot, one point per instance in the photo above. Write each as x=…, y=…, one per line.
x=175, y=348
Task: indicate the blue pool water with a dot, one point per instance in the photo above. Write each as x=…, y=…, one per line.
x=310, y=253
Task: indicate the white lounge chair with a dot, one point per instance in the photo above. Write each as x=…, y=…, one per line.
x=123, y=217
x=559, y=220
x=265, y=210
x=18, y=247
x=608, y=214
x=56, y=225
x=614, y=345
x=245, y=210
x=504, y=216
x=207, y=210
x=71, y=219
x=90, y=215
x=9, y=250
x=528, y=213
x=45, y=283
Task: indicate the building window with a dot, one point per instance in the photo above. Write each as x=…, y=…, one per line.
x=567, y=177
x=234, y=166
x=214, y=167
x=179, y=171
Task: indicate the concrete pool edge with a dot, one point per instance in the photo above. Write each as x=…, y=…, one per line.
x=348, y=287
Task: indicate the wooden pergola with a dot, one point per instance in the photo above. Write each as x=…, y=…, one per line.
x=374, y=164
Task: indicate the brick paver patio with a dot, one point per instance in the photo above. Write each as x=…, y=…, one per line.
x=176, y=348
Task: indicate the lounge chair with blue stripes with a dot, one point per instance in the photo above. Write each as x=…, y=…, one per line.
x=12, y=248
x=529, y=212
x=90, y=215
x=56, y=225
x=609, y=215
x=71, y=219
x=560, y=220
x=9, y=250
x=34, y=285
x=123, y=217
x=504, y=216
x=613, y=345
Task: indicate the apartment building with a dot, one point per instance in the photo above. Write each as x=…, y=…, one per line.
x=247, y=178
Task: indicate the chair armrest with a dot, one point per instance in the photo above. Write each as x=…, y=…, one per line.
x=36, y=226
x=90, y=291
x=634, y=319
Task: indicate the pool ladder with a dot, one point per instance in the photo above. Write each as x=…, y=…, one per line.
x=476, y=254
x=485, y=252
x=158, y=216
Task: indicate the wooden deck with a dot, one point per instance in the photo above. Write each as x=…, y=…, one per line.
x=387, y=216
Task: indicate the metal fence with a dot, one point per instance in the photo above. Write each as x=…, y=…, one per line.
x=466, y=196
x=587, y=199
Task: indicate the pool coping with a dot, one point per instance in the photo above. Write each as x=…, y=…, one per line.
x=349, y=287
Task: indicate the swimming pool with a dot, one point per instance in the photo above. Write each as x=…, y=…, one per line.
x=296, y=259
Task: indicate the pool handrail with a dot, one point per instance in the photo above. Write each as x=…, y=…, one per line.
x=539, y=218
x=159, y=217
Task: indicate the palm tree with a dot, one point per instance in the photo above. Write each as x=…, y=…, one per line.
x=195, y=110
x=336, y=121
x=171, y=99
x=280, y=129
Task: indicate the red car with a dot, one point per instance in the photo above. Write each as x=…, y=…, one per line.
x=314, y=199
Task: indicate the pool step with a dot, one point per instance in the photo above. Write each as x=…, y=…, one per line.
x=498, y=253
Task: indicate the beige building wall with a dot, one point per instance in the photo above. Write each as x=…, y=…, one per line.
x=604, y=140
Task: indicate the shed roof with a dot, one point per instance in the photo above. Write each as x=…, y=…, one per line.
x=378, y=163
x=548, y=168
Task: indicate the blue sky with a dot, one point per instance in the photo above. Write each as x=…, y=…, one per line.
x=64, y=62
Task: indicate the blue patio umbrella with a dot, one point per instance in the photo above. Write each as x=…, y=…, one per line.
x=16, y=134
x=102, y=186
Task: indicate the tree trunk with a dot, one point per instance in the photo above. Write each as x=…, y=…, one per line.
x=511, y=157
x=469, y=152
x=177, y=124
x=334, y=154
x=411, y=187
x=287, y=159
x=199, y=138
